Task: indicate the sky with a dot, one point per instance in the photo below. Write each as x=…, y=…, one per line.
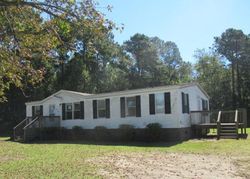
x=191, y=24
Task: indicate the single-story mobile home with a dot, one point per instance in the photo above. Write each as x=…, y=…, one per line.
x=167, y=105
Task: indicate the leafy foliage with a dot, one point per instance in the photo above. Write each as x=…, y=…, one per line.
x=213, y=75
x=233, y=45
x=153, y=132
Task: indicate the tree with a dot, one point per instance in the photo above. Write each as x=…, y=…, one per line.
x=231, y=45
x=173, y=69
x=42, y=30
x=143, y=55
x=155, y=62
x=213, y=75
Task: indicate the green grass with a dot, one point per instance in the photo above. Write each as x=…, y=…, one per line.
x=68, y=160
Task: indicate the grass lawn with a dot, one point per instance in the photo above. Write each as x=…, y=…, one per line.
x=68, y=160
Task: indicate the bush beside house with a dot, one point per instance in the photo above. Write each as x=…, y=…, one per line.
x=125, y=133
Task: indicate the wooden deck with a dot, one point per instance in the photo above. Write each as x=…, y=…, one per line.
x=201, y=130
x=214, y=125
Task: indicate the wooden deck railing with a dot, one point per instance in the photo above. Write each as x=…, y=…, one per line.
x=33, y=129
x=18, y=129
x=30, y=128
x=227, y=122
x=203, y=117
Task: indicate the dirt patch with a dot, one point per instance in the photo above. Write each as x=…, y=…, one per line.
x=165, y=165
x=4, y=159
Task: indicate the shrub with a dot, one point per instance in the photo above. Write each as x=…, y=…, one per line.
x=153, y=132
x=127, y=132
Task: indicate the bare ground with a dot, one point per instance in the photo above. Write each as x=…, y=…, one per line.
x=165, y=165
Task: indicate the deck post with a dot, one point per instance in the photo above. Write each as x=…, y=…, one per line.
x=236, y=120
x=218, y=125
x=245, y=120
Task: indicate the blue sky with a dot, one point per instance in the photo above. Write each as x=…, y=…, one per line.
x=191, y=24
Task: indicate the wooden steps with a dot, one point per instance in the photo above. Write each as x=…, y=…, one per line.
x=228, y=131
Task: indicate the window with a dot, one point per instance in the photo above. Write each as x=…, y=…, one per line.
x=37, y=110
x=101, y=107
x=159, y=103
x=185, y=103
x=52, y=110
x=204, y=104
x=73, y=110
x=131, y=106
x=69, y=111
x=77, y=112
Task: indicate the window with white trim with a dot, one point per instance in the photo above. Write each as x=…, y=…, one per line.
x=101, y=108
x=77, y=111
x=38, y=110
x=69, y=109
x=131, y=106
x=159, y=103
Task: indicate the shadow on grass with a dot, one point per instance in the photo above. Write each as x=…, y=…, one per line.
x=100, y=143
x=5, y=136
x=109, y=143
x=8, y=137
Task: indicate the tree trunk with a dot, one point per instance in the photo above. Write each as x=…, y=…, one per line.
x=233, y=86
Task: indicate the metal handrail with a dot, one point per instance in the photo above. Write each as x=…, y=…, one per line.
x=20, y=123
x=33, y=121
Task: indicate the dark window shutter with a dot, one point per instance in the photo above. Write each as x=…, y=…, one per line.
x=183, y=105
x=138, y=106
x=82, y=109
x=187, y=104
x=63, y=111
x=122, y=103
x=94, y=109
x=151, y=103
x=41, y=110
x=107, y=108
x=206, y=105
x=167, y=99
x=33, y=111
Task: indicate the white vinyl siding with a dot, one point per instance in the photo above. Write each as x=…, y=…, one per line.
x=52, y=110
